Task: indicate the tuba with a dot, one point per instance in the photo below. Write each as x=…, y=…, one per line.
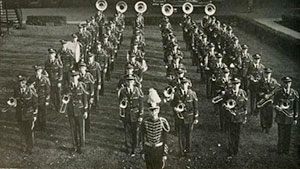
x=210, y=9
x=11, y=102
x=283, y=108
x=140, y=7
x=64, y=103
x=121, y=6
x=167, y=9
x=101, y=5
x=187, y=8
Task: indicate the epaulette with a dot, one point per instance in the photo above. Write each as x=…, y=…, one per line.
x=165, y=124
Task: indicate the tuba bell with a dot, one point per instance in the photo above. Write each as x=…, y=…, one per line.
x=210, y=9
x=123, y=103
x=64, y=103
x=121, y=6
x=101, y=5
x=140, y=7
x=167, y=9
x=187, y=8
x=11, y=102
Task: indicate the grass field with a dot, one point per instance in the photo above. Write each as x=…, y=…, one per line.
x=104, y=147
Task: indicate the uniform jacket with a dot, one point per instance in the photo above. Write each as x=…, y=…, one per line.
x=78, y=99
x=89, y=82
x=292, y=98
x=95, y=69
x=42, y=86
x=134, y=109
x=54, y=70
x=67, y=59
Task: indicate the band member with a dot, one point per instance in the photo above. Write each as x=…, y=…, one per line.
x=101, y=20
x=41, y=83
x=246, y=61
x=77, y=111
x=286, y=103
x=26, y=111
x=138, y=68
x=68, y=61
x=95, y=69
x=235, y=105
x=254, y=74
x=185, y=105
x=154, y=131
x=131, y=112
x=89, y=81
x=109, y=49
x=102, y=59
x=216, y=69
x=129, y=71
x=54, y=68
x=266, y=89
x=76, y=45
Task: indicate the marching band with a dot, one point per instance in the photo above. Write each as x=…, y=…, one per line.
x=73, y=79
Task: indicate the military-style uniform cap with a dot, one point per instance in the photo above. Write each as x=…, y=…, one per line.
x=75, y=73
x=286, y=79
x=82, y=64
x=244, y=46
x=268, y=70
x=129, y=77
x=62, y=41
x=74, y=35
x=21, y=78
x=211, y=45
x=51, y=50
x=37, y=67
x=256, y=56
x=235, y=80
x=219, y=55
x=129, y=66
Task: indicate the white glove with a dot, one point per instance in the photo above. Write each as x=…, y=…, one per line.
x=85, y=115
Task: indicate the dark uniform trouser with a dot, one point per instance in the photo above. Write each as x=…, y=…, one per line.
x=154, y=157
x=102, y=83
x=234, y=137
x=27, y=133
x=222, y=116
x=253, y=100
x=76, y=125
x=66, y=79
x=91, y=108
x=185, y=136
x=131, y=135
x=55, y=95
x=266, y=116
x=42, y=113
x=284, y=138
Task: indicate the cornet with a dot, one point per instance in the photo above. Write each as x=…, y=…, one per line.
x=101, y=5
x=121, y=6
x=65, y=101
x=187, y=8
x=123, y=103
x=167, y=9
x=11, y=102
x=210, y=9
x=140, y=7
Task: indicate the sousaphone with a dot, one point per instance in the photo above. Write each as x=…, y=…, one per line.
x=121, y=6
x=140, y=7
x=101, y=5
x=187, y=8
x=167, y=9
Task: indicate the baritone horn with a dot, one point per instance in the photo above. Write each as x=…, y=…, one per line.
x=283, y=108
x=167, y=9
x=210, y=9
x=123, y=103
x=11, y=103
x=121, y=6
x=140, y=7
x=179, y=109
x=64, y=103
x=187, y=8
x=101, y=5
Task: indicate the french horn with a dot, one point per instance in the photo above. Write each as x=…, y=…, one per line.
x=167, y=9
x=210, y=9
x=101, y=5
x=187, y=8
x=121, y=6
x=140, y=7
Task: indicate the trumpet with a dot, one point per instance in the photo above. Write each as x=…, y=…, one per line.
x=210, y=9
x=101, y=5
x=11, y=102
x=167, y=9
x=65, y=101
x=217, y=99
x=179, y=109
x=187, y=8
x=283, y=108
x=140, y=7
x=121, y=6
x=123, y=103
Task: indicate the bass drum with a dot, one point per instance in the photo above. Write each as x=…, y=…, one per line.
x=75, y=48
